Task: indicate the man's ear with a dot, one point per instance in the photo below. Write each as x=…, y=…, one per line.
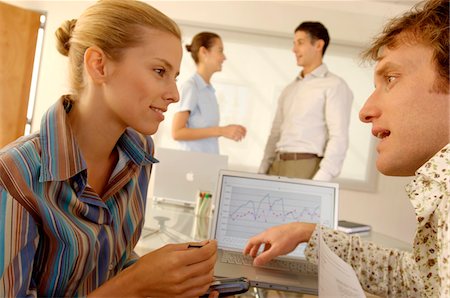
x=94, y=61
x=319, y=44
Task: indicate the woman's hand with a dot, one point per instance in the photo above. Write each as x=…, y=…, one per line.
x=233, y=131
x=174, y=270
x=279, y=240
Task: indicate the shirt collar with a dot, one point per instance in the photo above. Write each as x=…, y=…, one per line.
x=137, y=148
x=61, y=156
x=319, y=72
x=430, y=185
x=439, y=163
x=200, y=82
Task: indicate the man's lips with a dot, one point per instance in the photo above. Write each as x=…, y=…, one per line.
x=381, y=133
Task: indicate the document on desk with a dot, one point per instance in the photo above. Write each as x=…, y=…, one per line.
x=336, y=277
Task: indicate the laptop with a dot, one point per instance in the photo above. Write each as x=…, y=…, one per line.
x=247, y=204
x=180, y=175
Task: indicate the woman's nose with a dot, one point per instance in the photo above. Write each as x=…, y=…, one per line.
x=173, y=94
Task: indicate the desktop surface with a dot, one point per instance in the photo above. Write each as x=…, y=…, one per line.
x=166, y=223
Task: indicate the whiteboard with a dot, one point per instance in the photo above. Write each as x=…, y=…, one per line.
x=257, y=68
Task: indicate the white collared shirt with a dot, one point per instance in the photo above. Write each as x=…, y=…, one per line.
x=313, y=116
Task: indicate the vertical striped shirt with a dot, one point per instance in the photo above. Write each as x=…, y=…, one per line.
x=57, y=236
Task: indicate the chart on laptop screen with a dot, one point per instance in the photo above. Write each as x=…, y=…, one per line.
x=249, y=206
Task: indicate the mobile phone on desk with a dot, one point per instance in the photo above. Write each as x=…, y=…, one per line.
x=228, y=286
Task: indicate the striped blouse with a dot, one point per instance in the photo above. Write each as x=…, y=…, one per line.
x=57, y=236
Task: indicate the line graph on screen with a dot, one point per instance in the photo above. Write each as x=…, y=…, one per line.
x=259, y=209
x=270, y=209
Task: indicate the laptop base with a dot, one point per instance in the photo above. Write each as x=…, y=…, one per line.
x=269, y=278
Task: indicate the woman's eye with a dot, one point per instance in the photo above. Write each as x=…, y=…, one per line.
x=160, y=71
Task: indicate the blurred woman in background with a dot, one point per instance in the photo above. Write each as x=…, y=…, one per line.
x=196, y=124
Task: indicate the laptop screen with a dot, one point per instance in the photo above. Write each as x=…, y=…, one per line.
x=250, y=203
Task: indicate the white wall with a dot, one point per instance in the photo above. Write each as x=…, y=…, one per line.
x=351, y=23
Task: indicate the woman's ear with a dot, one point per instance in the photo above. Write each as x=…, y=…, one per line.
x=202, y=52
x=94, y=61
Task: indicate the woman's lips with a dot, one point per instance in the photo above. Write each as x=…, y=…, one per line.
x=159, y=112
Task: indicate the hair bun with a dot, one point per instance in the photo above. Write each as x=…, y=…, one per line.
x=188, y=47
x=63, y=36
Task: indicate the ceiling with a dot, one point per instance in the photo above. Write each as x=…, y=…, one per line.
x=384, y=8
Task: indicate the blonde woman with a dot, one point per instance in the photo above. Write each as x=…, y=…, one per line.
x=73, y=195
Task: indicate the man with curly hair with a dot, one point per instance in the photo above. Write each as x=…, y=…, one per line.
x=410, y=115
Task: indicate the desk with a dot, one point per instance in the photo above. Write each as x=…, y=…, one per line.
x=171, y=224
x=166, y=223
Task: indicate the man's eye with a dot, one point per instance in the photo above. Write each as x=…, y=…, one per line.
x=160, y=71
x=390, y=79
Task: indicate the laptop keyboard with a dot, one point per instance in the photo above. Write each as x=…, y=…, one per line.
x=240, y=259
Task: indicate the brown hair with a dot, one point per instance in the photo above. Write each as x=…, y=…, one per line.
x=202, y=39
x=111, y=25
x=427, y=23
x=316, y=31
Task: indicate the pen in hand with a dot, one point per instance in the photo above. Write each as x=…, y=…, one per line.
x=195, y=245
x=198, y=245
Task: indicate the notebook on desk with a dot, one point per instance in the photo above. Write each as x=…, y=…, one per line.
x=180, y=174
x=247, y=204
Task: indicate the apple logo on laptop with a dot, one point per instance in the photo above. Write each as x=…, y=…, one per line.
x=190, y=176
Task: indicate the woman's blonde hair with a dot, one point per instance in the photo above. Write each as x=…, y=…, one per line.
x=111, y=25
